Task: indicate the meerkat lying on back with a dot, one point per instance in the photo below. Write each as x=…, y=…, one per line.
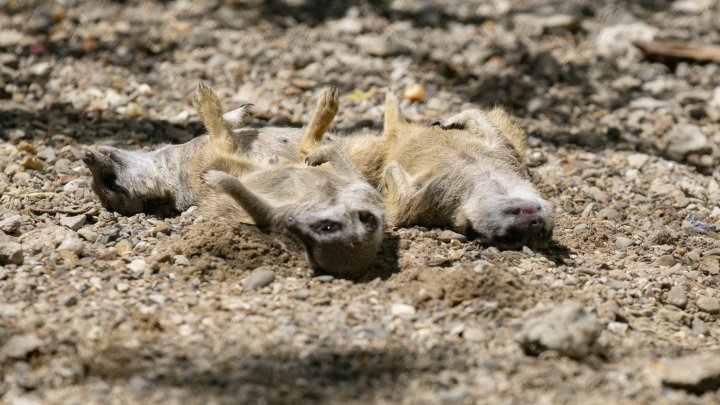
x=332, y=211
x=160, y=181
x=466, y=173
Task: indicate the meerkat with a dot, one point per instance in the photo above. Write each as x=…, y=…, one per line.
x=466, y=173
x=160, y=181
x=336, y=215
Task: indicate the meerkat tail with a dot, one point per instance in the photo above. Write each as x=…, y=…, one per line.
x=208, y=107
x=393, y=119
x=259, y=210
x=322, y=117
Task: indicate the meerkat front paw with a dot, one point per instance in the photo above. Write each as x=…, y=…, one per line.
x=215, y=179
x=329, y=102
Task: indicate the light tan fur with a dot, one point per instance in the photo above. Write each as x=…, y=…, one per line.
x=331, y=210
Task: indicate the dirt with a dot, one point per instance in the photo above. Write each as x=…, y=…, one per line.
x=146, y=310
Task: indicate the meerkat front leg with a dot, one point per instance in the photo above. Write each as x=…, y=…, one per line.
x=496, y=125
x=237, y=118
x=333, y=154
x=397, y=182
x=259, y=210
x=325, y=111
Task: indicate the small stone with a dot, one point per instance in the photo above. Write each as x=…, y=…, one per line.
x=438, y=261
x=180, y=260
x=637, y=160
x=122, y=286
x=19, y=346
x=258, y=279
x=11, y=253
x=47, y=154
x=708, y=304
x=32, y=163
x=685, y=139
x=474, y=334
x=73, y=244
x=163, y=257
x=123, y=247
x=10, y=225
x=677, y=296
x=623, y=242
x=73, y=222
x=157, y=298
x=88, y=234
x=699, y=327
x=399, y=309
x=377, y=45
x=616, y=40
x=608, y=213
x=448, y=236
x=568, y=329
x=161, y=228
x=69, y=300
x=665, y=260
x=415, y=93
x=697, y=373
x=710, y=265
x=325, y=278
x=617, y=327
x=138, y=265
x=597, y=194
x=26, y=146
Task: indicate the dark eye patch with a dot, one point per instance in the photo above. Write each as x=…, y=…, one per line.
x=327, y=227
x=368, y=219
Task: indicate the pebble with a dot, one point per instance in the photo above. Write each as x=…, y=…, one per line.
x=623, y=242
x=568, y=329
x=10, y=252
x=325, y=278
x=708, y=304
x=665, y=261
x=637, y=160
x=415, y=93
x=123, y=247
x=10, y=225
x=88, y=234
x=73, y=222
x=259, y=278
x=403, y=310
x=180, y=260
x=72, y=244
x=448, y=236
x=608, y=213
x=616, y=40
x=157, y=299
x=474, y=334
x=697, y=372
x=377, y=45
x=161, y=228
x=19, y=346
x=617, y=327
x=710, y=265
x=138, y=265
x=677, y=296
x=685, y=139
x=122, y=286
x=699, y=327
x=32, y=163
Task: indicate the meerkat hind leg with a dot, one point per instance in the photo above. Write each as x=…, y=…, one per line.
x=207, y=104
x=322, y=117
x=260, y=210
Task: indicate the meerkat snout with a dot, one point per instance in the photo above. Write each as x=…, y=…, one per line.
x=508, y=223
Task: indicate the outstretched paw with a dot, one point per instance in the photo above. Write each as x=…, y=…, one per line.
x=329, y=103
x=215, y=179
x=204, y=96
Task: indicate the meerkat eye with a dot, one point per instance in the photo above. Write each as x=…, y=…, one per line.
x=368, y=219
x=327, y=227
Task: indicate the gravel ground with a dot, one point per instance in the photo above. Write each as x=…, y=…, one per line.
x=101, y=308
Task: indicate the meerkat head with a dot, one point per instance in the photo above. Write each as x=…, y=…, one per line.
x=506, y=213
x=128, y=182
x=340, y=241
